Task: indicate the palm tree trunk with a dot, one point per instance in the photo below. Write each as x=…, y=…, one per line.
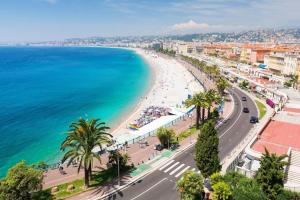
x=208, y=112
x=203, y=114
x=197, y=116
x=86, y=177
x=90, y=171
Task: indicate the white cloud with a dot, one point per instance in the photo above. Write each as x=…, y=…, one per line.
x=193, y=26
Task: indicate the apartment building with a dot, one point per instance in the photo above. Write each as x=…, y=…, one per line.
x=283, y=63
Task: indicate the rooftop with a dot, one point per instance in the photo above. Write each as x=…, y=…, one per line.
x=277, y=137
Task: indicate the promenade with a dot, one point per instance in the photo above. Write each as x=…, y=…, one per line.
x=138, y=152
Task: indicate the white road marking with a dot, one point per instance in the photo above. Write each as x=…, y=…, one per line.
x=241, y=111
x=193, y=169
x=150, y=188
x=175, y=170
x=171, y=167
x=182, y=171
x=166, y=165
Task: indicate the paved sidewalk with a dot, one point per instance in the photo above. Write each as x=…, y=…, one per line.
x=138, y=153
x=152, y=161
x=142, y=156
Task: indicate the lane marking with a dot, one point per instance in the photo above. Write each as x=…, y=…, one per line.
x=193, y=169
x=182, y=171
x=175, y=170
x=171, y=167
x=166, y=165
x=241, y=111
x=232, y=112
x=150, y=188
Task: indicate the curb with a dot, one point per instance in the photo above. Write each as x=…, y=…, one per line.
x=227, y=161
x=149, y=171
x=146, y=173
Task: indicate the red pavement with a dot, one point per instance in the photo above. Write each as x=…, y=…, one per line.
x=278, y=137
x=138, y=153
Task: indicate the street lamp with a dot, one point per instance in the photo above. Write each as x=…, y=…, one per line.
x=118, y=161
x=191, y=117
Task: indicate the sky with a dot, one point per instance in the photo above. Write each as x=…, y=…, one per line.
x=42, y=20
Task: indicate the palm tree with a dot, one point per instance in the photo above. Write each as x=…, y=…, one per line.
x=205, y=105
x=82, y=138
x=294, y=80
x=215, y=71
x=198, y=101
x=212, y=97
x=222, y=84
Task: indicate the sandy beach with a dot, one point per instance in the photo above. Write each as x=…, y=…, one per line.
x=170, y=86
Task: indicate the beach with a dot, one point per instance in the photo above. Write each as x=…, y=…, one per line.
x=170, y=85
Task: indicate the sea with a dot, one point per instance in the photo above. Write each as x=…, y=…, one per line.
x=44, y=89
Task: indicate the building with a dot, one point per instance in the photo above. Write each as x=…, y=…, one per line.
x=283, y=63
x=257, y=55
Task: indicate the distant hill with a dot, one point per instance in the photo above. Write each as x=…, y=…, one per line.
x=262, y=35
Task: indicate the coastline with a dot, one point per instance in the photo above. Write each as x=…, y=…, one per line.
x=134, y=108
x=161, y=89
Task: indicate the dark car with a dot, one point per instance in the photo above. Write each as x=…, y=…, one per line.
x=245, y=110
x=253, y=119
x=244, y=99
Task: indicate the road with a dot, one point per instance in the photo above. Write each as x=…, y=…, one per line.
x=161, y=184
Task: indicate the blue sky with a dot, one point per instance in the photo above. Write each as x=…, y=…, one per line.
x=37, y=20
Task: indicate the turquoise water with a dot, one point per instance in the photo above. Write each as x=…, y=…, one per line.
x=43, y=90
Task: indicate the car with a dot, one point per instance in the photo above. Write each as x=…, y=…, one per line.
x=245, y=110
x=253, y=119
x=244, y=99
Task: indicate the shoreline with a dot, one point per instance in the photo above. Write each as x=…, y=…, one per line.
x=135, y=105
x=165, y=73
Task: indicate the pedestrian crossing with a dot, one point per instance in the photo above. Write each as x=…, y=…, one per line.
x=176, y=169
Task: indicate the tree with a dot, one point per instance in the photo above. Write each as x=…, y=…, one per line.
x=212, y=97
x=248, y=189
x=190, y=186
x=82, y=138
x=222, y=191
x=222, y=84
x=197, y=100
x=165, y=136
x=21, y=182
x=207, y=159
x=244, y=84
x=294, y=80
x=270, y=175
x=215, y=178
x=123, y=160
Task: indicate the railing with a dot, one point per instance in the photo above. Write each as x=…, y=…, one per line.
x=138, y=139
x=245, y=172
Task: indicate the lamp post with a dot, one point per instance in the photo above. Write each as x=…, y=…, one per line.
x=118, y=161
x=191, y=128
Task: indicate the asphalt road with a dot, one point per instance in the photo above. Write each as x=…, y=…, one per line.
x=161, y=184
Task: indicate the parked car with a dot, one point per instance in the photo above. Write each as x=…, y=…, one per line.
x=245, y=110
x=244, y=99
x=253, y=119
